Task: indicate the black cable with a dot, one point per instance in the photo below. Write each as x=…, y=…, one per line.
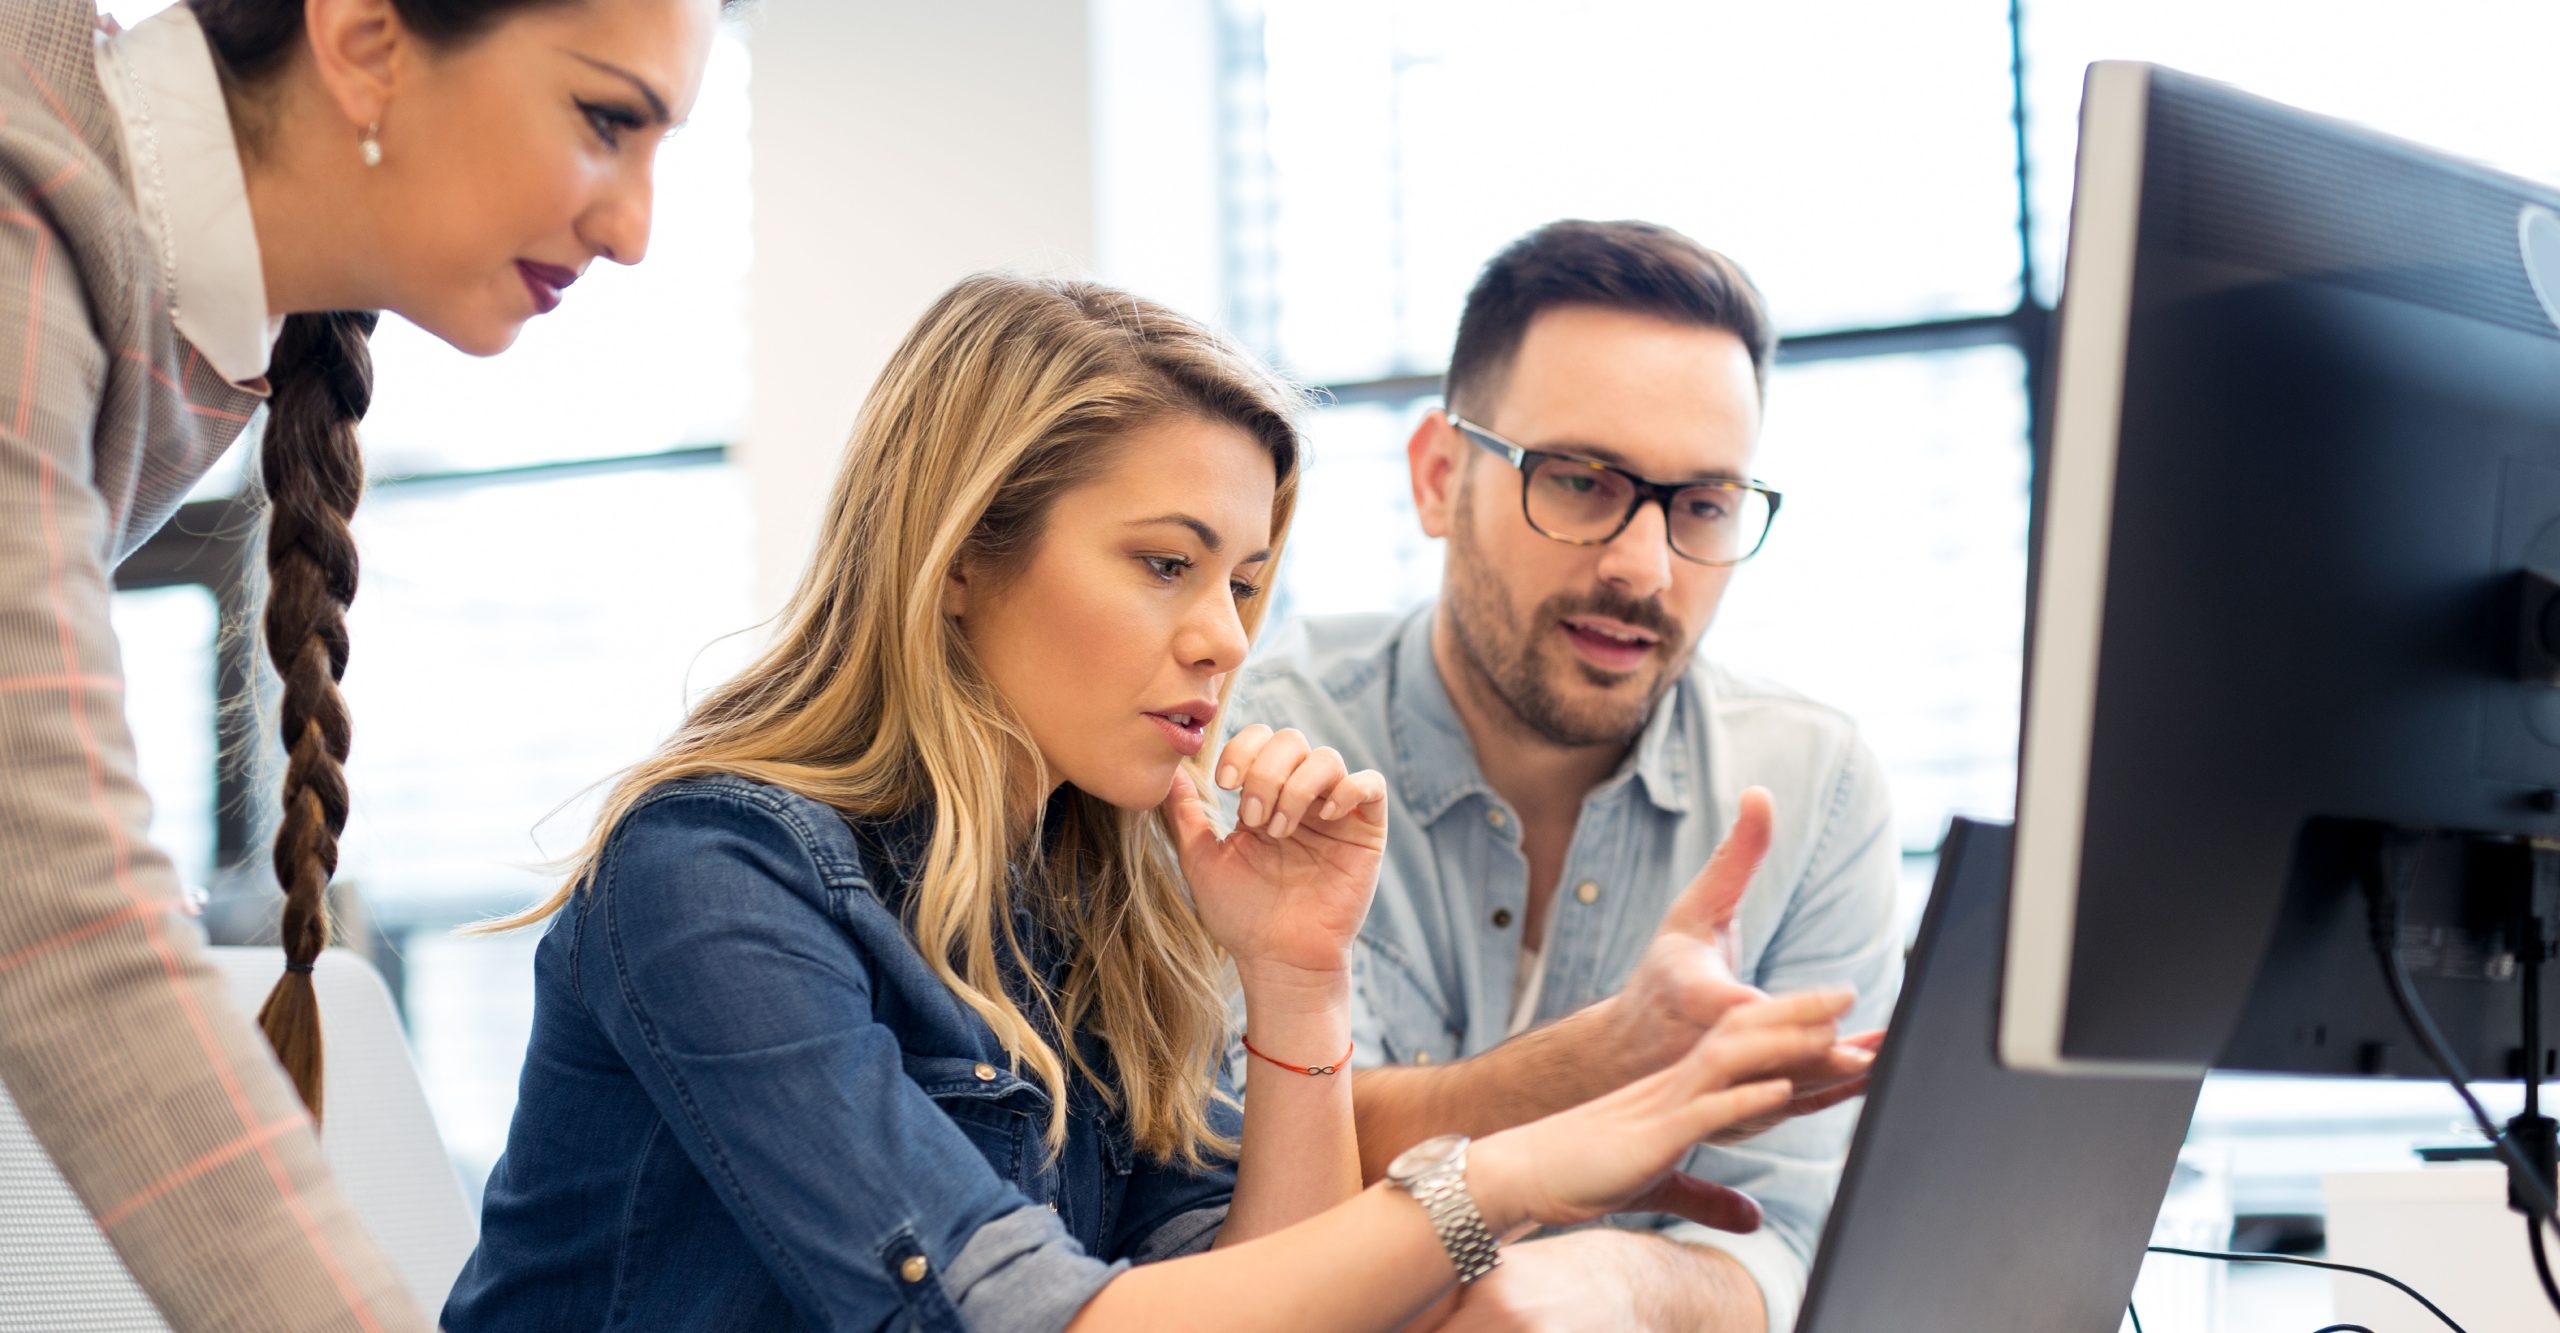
x=2531, y=1122
x=2135, y=1315
x=2383, y=917
x=2228, y=1257
x=2524, y=1180
x=2343, y=1328
x=2541, y=1263
x=2528, y=1188
x=2529, y=953
x=2537, y=1195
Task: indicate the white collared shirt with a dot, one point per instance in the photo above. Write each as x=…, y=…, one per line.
x=187, y=183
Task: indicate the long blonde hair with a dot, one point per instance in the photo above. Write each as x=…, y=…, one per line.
x=1008, y=393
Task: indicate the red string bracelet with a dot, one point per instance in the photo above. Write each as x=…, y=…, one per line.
x=1308, y=1069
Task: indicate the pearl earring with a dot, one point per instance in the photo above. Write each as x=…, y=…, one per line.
x=369, y=146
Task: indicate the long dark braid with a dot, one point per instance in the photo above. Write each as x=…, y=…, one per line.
x=321, y=377
x=322, y=380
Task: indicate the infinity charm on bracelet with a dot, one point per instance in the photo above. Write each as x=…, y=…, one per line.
x=1344, y=1059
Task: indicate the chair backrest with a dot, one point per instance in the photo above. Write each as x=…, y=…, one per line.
x=59, y=1275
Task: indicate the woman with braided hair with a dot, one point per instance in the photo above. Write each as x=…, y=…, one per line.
x=197, y=218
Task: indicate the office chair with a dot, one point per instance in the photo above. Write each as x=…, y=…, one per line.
x=59, y=1275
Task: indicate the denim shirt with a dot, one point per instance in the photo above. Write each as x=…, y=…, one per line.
x=1436, y=959
x=749, y=1104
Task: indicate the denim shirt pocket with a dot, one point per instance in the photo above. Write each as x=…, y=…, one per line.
x=1414, y=1025
x=1002, y=1114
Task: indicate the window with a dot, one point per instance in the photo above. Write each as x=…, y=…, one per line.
x=1355, y=543
x=1381, y=152
x=166, y=637
x=2469, y=76
x=1906, y=526
x=1404, y=142
x=515, y=644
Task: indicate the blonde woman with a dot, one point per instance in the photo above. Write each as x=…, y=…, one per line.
x=892, y=990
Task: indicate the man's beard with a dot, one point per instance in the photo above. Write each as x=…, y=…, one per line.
x=1504, y=651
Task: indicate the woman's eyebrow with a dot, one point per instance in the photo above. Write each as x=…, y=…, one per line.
x=657, y=104
x=1208, y=535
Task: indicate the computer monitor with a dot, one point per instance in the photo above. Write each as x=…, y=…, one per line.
x=2292, y=631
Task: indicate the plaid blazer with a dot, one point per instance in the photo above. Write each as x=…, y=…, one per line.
x=157, y=1099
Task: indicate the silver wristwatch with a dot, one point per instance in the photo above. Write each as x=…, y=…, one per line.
x=1434, y=1172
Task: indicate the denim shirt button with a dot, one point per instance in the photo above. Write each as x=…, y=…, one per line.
x=1422, y=1057
x=986, y=1073
x=1586, y=891
x=1053, y=1205
x=1501, y=918
x=1497, y=817
x=915, y=1268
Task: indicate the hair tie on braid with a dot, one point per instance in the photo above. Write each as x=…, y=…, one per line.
x=322, y=382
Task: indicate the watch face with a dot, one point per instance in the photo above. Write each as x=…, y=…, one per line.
x=1413, y=1162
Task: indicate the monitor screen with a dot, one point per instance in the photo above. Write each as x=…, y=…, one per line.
x=2302, y=468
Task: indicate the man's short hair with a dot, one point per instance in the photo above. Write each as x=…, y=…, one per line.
x=1634, y=266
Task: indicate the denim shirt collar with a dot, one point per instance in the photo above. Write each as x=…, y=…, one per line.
x=906, y=836
x=1436, y=761
x=903, y=839
x=900, y=841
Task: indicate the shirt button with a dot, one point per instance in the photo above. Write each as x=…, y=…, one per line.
x=1053, y=1205
x=1422, y=1057
x=1497, y=817
x=1586, y=891
x=1501, y=918
x=985, y=1073
x=914, y=1269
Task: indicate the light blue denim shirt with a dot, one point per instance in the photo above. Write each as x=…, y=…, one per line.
x=1440, y=951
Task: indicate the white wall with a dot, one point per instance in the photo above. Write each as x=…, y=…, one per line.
x=899, y=146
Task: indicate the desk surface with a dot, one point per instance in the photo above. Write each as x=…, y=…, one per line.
x=2276, y=1297
x=2256, y=1298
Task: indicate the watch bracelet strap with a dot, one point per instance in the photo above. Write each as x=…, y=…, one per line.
x=1473, y=1251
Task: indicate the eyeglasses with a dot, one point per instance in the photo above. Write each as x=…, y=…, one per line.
x=1584, y=503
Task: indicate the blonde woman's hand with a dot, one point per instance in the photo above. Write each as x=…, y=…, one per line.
x=1285, y=892
x=1621, y=1152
